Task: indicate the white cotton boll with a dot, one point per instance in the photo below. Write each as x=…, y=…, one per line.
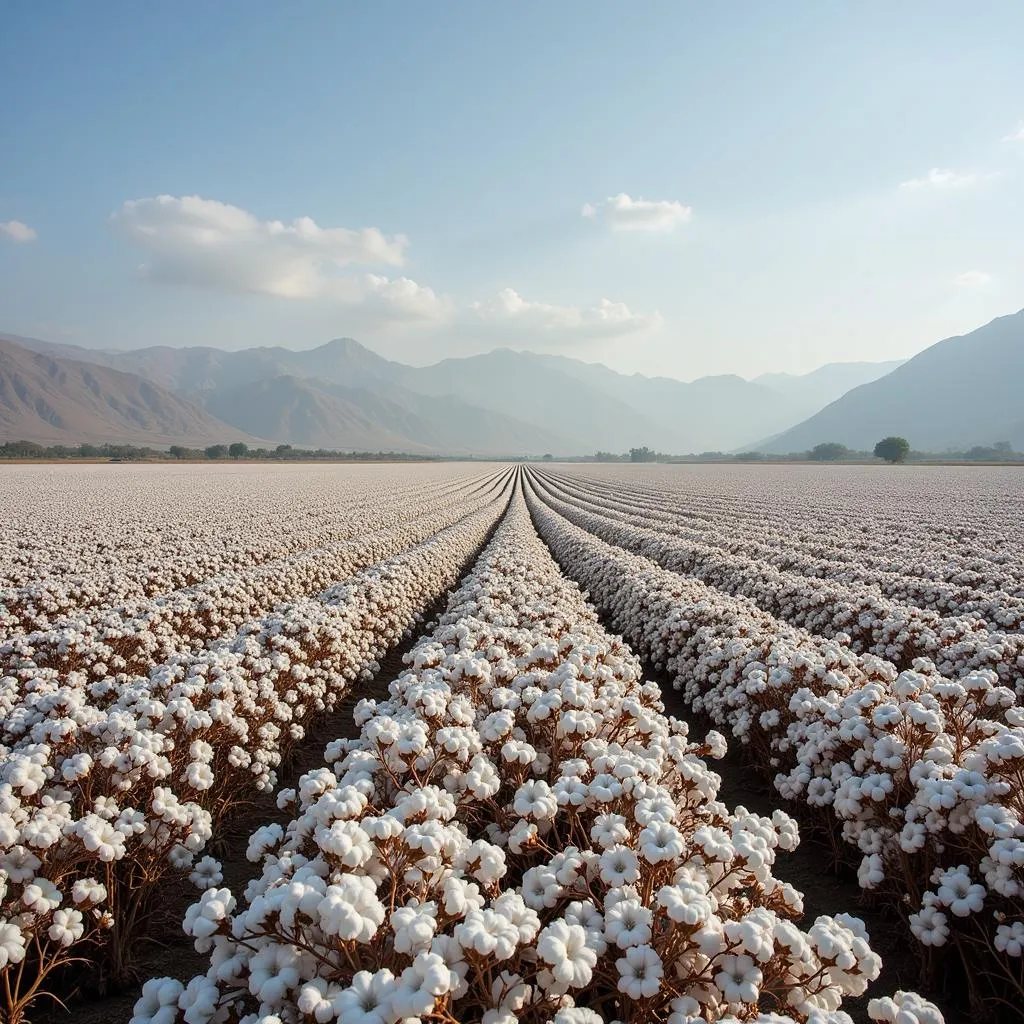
x=347, y=842
x=88, y=891
x=12, y=944
x=871, y=872
x=660, y=841
x=414, y=927
x=204, y=918
x=564, y=948
x=640, y=972
x=158, y=1003
x=315, y=1000
x=265, y=838
x=199, y=775
x=929, y=926
x=67, y=927
x=534, y=799
x=609, y=830
x=351, y=910
x=715, y=745
x=420, y=986
x=904, y=1008
x=460, y=896
x=957, y=892
x=1009, y=939
x=206, y=874
x=41, y=896
x=179, y=857
x=488, y=933
x=628, y=923
x=619, y=866
x=523, y=835
x=367, y=1000
x=739, y=979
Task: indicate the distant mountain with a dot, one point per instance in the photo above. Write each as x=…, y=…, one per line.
x=322, y=415
x=623, y=411
x=960, y=392
x=55, y=400
x=813, y=391
x=342, y=395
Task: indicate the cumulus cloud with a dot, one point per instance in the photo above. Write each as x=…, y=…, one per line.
x=18, y=232
x=509, y=312
x=390, y=299
x=973, y=279
x=623, y=213
x=939, y=178
x=1017, y=135
x=202, y=242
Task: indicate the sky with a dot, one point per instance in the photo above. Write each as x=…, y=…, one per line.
x=670, y=188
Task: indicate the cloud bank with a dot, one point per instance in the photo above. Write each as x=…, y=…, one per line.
x=203, y=243
x=623, y=213
x=509, y=312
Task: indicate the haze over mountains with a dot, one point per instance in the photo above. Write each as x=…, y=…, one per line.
x=963, y=391
x=54, y=400
x=342, y=395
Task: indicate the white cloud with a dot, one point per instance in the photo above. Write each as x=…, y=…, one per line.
x=974, y=279
x=208, y=244
x=1017, y=135
x=18, y=232
x=623, y=213
x=509, y=312
x=385, y=299
x=939, y=178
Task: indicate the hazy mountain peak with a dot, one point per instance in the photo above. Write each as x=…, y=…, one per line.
x=962, y=391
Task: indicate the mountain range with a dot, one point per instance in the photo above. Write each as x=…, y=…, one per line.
x=56, y=400
x=342, y=395
x=963, y=391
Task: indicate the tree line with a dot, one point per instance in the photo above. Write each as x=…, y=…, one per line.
x=211, y=453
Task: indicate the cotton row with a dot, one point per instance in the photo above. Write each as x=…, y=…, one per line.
x=944, y=525
x=133, y=638
x=762, y=539
x=518, y=834
x=118, y=782
x=871, y=623
x=99, y=536
x=917, y=772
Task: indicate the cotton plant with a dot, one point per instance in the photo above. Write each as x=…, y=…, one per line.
x=134, y=636
x=125, y=779
x=206, y=537
x=868, y=622
x=519, y=833
x=964, y=558
x=917, y=773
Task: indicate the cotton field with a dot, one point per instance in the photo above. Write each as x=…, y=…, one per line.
x=438, y=742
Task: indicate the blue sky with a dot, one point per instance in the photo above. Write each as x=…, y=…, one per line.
x=797, y=183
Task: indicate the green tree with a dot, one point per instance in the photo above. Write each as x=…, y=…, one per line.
x=892, y=449
x=216, y=451
x=642, y=455
x=177, y=451
x=828, y=451
x=238, y=450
